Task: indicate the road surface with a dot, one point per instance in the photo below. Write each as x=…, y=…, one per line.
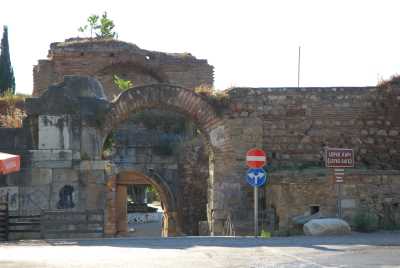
x=356, y=250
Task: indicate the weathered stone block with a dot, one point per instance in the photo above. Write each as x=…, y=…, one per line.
x=91, y=143
x=54, y=132
x=51, y=158
x=93, y=165
x=95, y=196
x=50, y=155
x=348, y=203
x=41, y=176
x=65, y=175
x=87, y=177
x=33, y=199
x=52, y=164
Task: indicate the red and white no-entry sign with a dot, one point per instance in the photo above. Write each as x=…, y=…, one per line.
x=256, y=158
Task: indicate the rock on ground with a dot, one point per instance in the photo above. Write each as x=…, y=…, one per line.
x=330, y=226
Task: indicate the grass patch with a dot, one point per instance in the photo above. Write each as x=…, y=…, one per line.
x=265, y=234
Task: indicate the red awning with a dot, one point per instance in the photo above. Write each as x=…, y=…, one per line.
x=9, y=163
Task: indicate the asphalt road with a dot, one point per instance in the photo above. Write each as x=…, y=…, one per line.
x=356, y=250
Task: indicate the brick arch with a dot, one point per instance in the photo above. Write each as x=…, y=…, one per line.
x=171, y=221
x=213, y=128
x=173, y=98
x=166, y=194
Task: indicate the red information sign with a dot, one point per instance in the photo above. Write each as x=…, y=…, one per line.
x=256, y=158
x=9, y=163
x=339, y=158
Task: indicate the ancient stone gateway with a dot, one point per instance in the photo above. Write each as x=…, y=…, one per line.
x=74, y=120
x=76, y=107
x=168, y=97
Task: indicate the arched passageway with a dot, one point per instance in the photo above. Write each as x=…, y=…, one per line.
x=118, y=186
x=196, y=109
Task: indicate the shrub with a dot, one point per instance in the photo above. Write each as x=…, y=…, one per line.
x=394, y=81
x=265, y=234
x=122, y=84
x=11, y=110
x=365, y=221
x=217, y=98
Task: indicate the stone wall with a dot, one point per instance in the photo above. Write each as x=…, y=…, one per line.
x=105, y=58
x=294, y=126
x=293, y=194
x=297, y=124
x=67, y=126
x=194, y=170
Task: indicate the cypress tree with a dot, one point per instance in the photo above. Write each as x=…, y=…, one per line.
x=7, y=80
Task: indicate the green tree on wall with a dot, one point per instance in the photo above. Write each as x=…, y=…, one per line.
x=106, y=27
x=101, y=27
x=92, y=24
x=7, y=80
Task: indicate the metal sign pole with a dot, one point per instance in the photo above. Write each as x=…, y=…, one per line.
x=339, y=199
x=255, y=211
x=339, y=178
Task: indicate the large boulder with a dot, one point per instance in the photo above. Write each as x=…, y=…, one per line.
x=330, y=226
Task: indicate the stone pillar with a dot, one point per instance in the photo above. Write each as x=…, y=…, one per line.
x=170, y=226
x=227, y=191
x=121, y=209
x=110, y=224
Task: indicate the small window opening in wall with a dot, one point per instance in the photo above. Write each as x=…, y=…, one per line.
x=82, y=54
x=111, y=54
x=314, y=209
x=147, y=57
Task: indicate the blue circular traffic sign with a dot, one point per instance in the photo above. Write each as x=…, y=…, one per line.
x=257, y=177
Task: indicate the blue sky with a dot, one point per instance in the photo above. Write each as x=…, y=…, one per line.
x=250, y=43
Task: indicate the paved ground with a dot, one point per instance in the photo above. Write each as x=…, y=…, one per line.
x=357, y=250
x=149, y=229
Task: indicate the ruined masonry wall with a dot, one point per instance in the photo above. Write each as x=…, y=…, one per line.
x=105, y=58
x=298, y=123
x=295, y=125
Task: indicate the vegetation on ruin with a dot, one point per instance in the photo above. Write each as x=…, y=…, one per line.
x=7, y=80
x=102, y=26
x=217, y=98
x=393, y=81
x=12, y=99
x=11, y=109
x=265, y=234
x=122, y=84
